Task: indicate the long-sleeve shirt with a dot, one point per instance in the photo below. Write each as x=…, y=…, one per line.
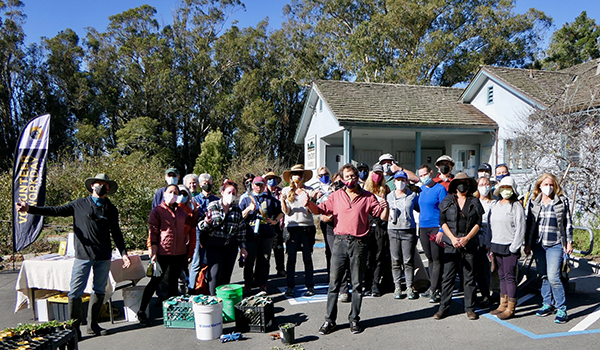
x=92, y=225
x=351, y=217
x=297, y=215
x=401, y=210
x=230, y=226
x=429, y=202
x=507, y=225
x=172, y=230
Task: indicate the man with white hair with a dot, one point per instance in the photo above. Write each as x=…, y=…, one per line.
x=205, y=196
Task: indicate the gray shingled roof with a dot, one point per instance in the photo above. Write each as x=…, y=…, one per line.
x=400, y=105
x=584, y=92
x=544, y=86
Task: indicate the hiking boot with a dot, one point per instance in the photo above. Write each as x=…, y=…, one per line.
x=355, y=327
x=440, y=315
x=327, y=327
x=411, y=295
x=143, y=318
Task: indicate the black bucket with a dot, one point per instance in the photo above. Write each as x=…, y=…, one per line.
x=287, y=332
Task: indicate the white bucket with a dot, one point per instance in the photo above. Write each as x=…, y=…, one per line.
x=208, y=320
x=132, y=298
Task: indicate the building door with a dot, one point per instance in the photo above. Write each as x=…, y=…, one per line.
x=332, y=162
x=466, y=158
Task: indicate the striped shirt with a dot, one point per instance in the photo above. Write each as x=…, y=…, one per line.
x=228, y=226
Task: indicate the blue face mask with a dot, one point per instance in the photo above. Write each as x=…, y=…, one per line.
x=324, y=179
x=426, y=180
x=363, y=174
x=500, y=177
x=272, y=182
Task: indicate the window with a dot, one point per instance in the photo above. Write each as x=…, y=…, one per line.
x=490, y=94
x=516, y=155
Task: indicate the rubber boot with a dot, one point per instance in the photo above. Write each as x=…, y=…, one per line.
x=96, y=302
x=510, y=309
x=75, y=314
x=502, y=306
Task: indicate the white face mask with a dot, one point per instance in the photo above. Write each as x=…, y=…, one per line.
x=547, y=190
x=506, y=193
x=483, y=174
x=171, y=180
x=228, y=199
x=169, y=198
x=483, y=190
x=182, y=199
x=401, y=185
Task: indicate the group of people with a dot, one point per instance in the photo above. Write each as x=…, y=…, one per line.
x=371, y=220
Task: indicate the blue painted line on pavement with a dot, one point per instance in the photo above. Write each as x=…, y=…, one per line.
x=537, y=336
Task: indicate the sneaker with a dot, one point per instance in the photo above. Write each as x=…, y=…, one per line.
x=366, y=293
x=545, y=310
x=426, y=294
x=310, y=291
x=281, y=273
x=411, y=295
x=561, y=315
x=355, y=327
x=289, y=292
x=375, y=293
x=345, y=298
x=327, y=327
x=436, y=297
x=398, y=293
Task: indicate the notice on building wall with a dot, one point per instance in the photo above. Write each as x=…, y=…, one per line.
x=310, y=152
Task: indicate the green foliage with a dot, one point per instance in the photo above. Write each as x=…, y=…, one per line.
x=574, y=43
x=138, y=179
x=213, y=157
x=143, y=135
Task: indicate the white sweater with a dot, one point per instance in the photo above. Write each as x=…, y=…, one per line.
x=507, y=225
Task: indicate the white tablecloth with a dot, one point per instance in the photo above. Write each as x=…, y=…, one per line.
x=51, y=273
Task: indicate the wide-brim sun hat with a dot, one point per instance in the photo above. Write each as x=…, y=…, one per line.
x=297, y=168
x=461, y=177
x=386, y=156
x=272, y=175
x=444, y=158
x=101, y=177
x=506, y=182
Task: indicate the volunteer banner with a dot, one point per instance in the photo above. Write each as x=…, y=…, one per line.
x=29, y=180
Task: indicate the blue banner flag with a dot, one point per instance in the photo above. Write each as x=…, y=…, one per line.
x=29, y=180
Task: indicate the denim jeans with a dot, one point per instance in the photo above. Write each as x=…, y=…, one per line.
x=352, y=251
x=81, y=273
x=197, y=261
x=403, y=244
x=257, y=262
x=330, y=238
x=548, y=261
x=302, y=237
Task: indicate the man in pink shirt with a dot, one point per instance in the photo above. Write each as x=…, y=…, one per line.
x=351, y=209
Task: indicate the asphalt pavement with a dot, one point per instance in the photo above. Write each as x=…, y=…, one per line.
x=388, y=323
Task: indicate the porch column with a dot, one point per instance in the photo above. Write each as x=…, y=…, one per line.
x=347, y=146
x=417, y=151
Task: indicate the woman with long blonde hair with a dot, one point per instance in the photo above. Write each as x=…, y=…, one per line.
x=549, y=235
x=378, y=245
x=300, y=225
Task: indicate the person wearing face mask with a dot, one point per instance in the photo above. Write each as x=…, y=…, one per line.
x=378, y=247
x=363, y=173
x=482, y=263
x=549, y=235
x=484, y=170
x=507, y=227
x=274, y=190
x=444, y=176
x=247, y=181
x=262, y=212
x=224, y=229
x=200, y=201
x=350, y=209
x=300, y=225
x=390, y=167
x=501, y=172
x=430, y=234
x=95, y=220
x=323, y=186
x=402, y=233
x=460, y=219
x=171, y=178
x=172, y=237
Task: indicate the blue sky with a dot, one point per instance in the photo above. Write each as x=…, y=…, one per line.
x=48, y=17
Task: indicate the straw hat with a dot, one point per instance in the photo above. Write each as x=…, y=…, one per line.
x=460, y=177
x=297, y=168
x=270, y=175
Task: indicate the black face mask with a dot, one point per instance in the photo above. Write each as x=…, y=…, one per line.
x=100, y=190
x=444, y=169
x=462, y=187
x=207, y=187
x=338, y=185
